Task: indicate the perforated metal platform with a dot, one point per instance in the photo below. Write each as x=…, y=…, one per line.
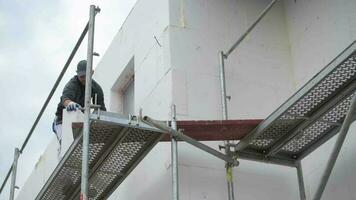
x=117, y=145
x=309, y=118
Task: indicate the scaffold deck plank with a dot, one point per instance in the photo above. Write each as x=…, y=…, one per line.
x=215, y=130
x=310, y=117
x=116, y=146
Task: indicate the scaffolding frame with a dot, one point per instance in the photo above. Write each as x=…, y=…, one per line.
x=117, y=145
x=90, y=25
x=87, y=106
x=222, y=57
x=265, y=156
x=350, y=117
x=84, y=191
x=230, y=157
x=85, y=156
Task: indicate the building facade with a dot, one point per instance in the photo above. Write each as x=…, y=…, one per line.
x=166, y=53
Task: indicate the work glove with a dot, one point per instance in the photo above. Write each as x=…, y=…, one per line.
x=72, y=106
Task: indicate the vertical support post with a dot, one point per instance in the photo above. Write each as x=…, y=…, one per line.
x=13, y=177
x=229, y=171
x=174, y=157
x=223, y=56
x=87, y=103
x=223, y=85
x=301, y=180
x=229, y=177
x=350, y=117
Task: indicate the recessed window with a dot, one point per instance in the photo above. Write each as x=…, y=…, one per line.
x=123, y=91
x=128, y=97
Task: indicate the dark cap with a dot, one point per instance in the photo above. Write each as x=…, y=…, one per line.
x=81, y=67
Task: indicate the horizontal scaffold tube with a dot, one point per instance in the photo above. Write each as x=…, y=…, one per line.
x=162, y=126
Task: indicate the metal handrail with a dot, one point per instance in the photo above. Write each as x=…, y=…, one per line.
x=6, y=178
x=55, y=85
x=242, y=37
x=50, y=95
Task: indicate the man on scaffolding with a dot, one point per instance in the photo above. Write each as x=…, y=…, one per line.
x=73, y=97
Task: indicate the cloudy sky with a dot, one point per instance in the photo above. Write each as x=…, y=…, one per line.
x=36, y=38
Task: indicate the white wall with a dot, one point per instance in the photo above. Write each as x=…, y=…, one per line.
x=259, y=71
x=186, y=73
x=136, y=39
x=259, y=79
x=152, y=92
x=318, y=31
x=288, y=47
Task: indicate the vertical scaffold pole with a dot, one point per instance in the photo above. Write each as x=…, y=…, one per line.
x=174, y=157
x=350, y=117
x=13, y=177
x=222, y=57
x=301, y=181
x=229, y=169
x=223, y=85
x=87, y=103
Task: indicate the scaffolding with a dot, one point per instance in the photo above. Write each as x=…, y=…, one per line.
x=108, y=146
x=88, y=27
x=322, y=108
x=117, y=144
x=325, y=106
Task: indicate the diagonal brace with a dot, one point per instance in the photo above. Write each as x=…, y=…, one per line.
x=162, y=126
x=350, y=117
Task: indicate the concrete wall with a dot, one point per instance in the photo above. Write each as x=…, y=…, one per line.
x=142, y=38
x=259, y=71
x=171, y=48
x=183, y=69
x=318, y=31
x=259, y=79
x=143, y=44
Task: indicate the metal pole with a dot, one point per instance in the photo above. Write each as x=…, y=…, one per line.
x=223, y=56
x=49, y=97
x=264, y=12
x=87, y=103
x=350, y=117
x=13, y=177
x=188, y=139
x=6, y=178
x=301, y=180
x=223, y=85
x=229, y=169
x=174, y=152
x=229, y=180
x=66, y=65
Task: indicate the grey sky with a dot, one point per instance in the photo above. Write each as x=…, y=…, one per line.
x=36, y=38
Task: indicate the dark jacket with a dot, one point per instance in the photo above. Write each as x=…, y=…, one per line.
x=75, y=91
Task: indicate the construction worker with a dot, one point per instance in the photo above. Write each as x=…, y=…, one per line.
x=73, y=97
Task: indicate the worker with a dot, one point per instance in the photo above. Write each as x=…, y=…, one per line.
x=73, y=98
